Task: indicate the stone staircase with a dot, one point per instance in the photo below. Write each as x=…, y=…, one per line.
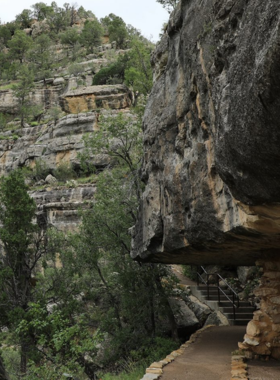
x=243, y=314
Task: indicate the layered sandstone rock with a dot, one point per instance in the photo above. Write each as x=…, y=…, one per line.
x=50, y=143
x=211, y=140
x=44, y=96
x=72, y=97
x=211, y=137
x=59, y=207
x=96, y=97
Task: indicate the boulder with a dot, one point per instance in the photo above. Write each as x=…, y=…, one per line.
x=49, y=80
x=59, y=81
x=51, y=180
x=200, y=309
x=185, y=319
x=217, y=318
x=245, y=273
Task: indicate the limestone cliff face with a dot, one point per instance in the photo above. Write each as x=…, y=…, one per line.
x=96, y=97
x=71, y=97
x=50, y=143
x=47, y=97
x=53, y=145
x=59, y=207
x=212, y=137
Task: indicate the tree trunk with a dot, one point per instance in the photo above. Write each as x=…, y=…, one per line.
x=152, y=314
x=3, y=373
x=168, y=310
x=23, y=357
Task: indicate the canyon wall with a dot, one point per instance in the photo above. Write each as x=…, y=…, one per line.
x=211, y=149
x=211, y=137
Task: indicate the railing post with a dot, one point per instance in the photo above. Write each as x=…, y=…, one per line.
x=218, y=287
x=233, y=305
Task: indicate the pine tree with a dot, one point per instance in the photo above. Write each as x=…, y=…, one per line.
x=22, y=91
x=22, y=247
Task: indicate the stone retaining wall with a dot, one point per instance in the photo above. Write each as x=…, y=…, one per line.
x=263, y=332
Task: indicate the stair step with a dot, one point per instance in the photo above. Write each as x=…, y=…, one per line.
x=214, y=293
x=249, y=309
x=229, y=304
x=239, y=322
x=211, y=287
x=243, y=314
x=238, y=315
x=215, y=298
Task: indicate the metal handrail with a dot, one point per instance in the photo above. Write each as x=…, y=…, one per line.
x=234, y=294
x=235, y=298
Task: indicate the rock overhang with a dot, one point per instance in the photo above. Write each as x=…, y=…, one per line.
x=211, y=138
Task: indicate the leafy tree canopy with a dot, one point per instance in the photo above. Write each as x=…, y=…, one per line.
x=169, y=5
x=41, y=10
x=22, y=248
x=138, y=72
x=91, y=35
x=116, y=28
x=24, y=18
x=19, y=45
x=22, y=90
x=70, y=37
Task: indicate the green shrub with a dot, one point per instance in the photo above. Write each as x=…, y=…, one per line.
x=190, y=271
x=75, y=69
x=34, y=124
x=3, y=121
x=54, y=113
x=27, y=172
x=135, y=373
x=106, y=74
x=99, y=103
x=11, y=358
x=149, y=351
x=91, y=179
x=40, y=170
x=64, y=172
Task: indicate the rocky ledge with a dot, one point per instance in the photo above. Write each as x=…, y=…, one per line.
x=59, y=207
x=95, y=97
x=51, y=144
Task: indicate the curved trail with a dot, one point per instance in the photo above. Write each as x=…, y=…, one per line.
x=209, y=358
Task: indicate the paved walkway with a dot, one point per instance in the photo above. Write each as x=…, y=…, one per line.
x=259, y=370
x=209, y=358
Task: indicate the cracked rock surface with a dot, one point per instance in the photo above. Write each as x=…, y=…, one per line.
x=212, y=137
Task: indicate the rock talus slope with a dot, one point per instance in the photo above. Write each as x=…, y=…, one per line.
x=212, y=136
